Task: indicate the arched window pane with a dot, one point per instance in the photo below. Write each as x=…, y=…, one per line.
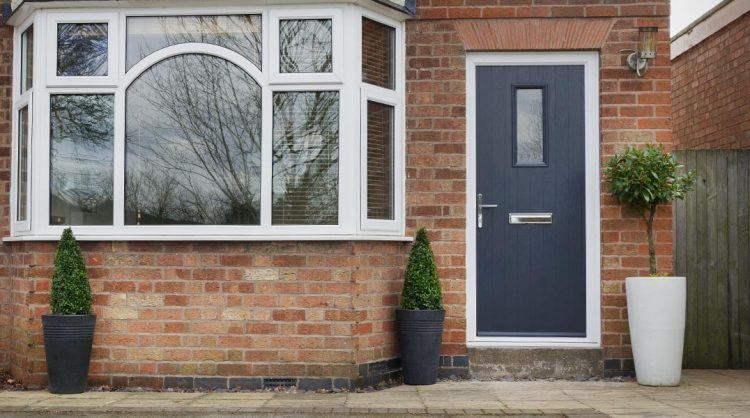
x=239, y=33
x=193, y=144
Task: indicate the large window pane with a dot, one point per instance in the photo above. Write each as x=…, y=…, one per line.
x=193, y=144
x=378, y=63
x=23, y=165
x=379, y=161
x=27, y=59
x=530, y=126
x=82, y=49
x=81, y=159
x=306, y=46
x=305, y=158
x=239, y=33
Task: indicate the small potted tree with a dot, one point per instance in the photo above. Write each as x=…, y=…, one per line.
x=420, y=319
x=644, y=179
x=69, y=329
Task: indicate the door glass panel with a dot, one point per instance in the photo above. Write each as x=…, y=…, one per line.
x=529, y=135
x=81, y=159
x=82, y=49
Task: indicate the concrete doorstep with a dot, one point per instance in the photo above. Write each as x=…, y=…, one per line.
x=702, y=393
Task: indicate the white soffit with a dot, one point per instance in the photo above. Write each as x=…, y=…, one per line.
x=714, y=20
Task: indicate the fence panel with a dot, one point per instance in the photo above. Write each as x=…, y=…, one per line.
x=712, y=249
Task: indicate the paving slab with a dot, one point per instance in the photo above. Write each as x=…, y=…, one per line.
x=702, y=394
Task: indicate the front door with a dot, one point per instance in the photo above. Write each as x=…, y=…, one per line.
x=531, y=246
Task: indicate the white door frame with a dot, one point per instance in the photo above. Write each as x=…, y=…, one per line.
x=590, y=61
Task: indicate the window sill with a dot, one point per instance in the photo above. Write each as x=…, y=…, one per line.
x=239, y=238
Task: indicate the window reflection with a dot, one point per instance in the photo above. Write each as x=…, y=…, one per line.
x=193, y=144
x=306, y=46
x=27, y=59
x=378, y=63
x=305, y=158
x=81, y=159
x=530, y=126
x=239, y=33
x=82, y=49
x=379, y=161
x=23, y=165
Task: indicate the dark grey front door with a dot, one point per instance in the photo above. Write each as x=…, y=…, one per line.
x=531, y=248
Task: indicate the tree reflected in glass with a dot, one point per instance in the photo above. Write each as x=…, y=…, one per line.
x=193, y=144
x=306, y=46
x=305, y=158
x=238, y=33
x=22, y=212
x=81, y=159
x=529, y=126
x=82, y=49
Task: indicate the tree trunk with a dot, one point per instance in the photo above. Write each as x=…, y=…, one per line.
x=651, y=244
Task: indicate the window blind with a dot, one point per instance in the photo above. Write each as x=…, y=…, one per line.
x=305, y=158
x=377, y=53
x=379, y=161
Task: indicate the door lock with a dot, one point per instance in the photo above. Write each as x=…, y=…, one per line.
x=480, y=206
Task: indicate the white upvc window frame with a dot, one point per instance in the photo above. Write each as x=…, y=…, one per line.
x=337, y=45
x=391, y=97
x=57, y=18
x=21, y=100
x=345, y=79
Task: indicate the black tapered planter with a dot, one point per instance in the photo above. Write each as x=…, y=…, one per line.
x=67, y=345
x=420, y=334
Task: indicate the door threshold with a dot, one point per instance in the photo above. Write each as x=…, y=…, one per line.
x=533, y=342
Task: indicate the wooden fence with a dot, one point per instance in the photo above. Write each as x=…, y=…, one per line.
x=712, y=248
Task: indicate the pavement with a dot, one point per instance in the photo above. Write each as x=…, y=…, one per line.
x=703, y=393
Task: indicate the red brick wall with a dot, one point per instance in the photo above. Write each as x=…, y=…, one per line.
x=219, y=309
x=198, y=309
x=6, y=66
x=710, y=85
x=634, y=111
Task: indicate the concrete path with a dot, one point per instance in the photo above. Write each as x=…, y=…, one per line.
x=720, y=393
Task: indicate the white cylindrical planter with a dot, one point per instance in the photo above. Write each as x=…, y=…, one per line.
x=656, y=312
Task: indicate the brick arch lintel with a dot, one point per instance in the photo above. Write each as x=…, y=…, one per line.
x=533, y=34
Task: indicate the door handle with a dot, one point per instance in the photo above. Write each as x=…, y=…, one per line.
x=480, y=206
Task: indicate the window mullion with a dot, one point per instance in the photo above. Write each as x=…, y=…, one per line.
x=118, y=200
x=266, y=201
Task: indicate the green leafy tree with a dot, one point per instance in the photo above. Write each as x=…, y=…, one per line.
x=421, y=284
x=71, y=293
x=644, y=179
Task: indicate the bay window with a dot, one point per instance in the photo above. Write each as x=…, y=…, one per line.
x=184, y=123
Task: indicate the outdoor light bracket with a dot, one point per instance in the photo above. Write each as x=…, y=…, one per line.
x=636, y=62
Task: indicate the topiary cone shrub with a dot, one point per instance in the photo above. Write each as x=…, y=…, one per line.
x=421, y=284
x=69, y=329
x=644, y=179
x=71, y=293
x=421, y=317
